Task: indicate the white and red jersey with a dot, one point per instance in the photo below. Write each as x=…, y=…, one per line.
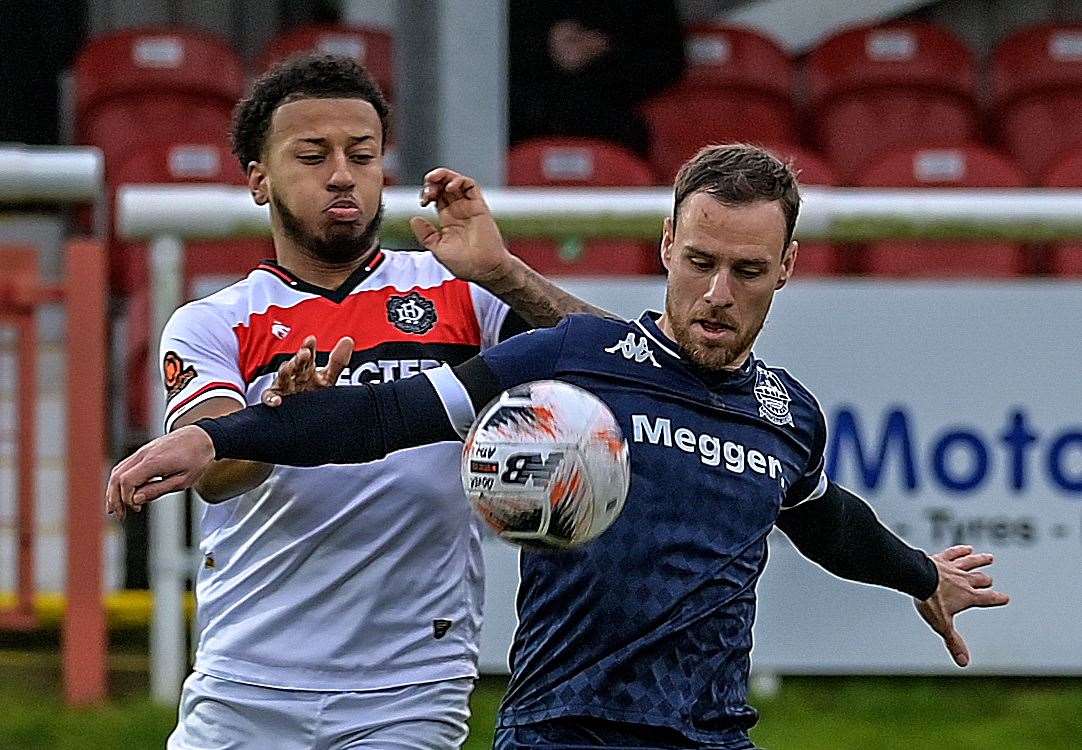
x=337, y=577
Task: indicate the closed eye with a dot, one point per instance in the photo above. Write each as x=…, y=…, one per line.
x=751, y=272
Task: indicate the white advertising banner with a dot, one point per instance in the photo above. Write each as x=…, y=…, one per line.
x=956, y=410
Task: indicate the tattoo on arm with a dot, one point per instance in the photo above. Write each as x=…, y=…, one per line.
x=537, y=300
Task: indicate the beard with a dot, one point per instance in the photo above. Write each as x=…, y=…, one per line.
x=710, y=356
x=339, y=244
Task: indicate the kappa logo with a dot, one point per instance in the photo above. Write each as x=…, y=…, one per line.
x=635, y=348
x=773, y=398
x=280, y=330
x=412, y=313
x=175, y=374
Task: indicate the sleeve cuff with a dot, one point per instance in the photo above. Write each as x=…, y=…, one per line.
x=928, y=582
x=456, y=401
x=217, y=435
x=207, y=392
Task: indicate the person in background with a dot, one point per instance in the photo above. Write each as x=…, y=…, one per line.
x=39, y=40
x=580, y=67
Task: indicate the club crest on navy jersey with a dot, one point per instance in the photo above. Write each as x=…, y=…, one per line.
x=772, y=397
x=412, y=313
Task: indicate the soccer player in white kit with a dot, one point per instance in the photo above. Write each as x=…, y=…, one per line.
x=339, y=606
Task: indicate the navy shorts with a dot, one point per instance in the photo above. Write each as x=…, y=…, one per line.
x=584, y=733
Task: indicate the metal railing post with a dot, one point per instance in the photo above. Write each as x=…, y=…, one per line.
x=168, y=560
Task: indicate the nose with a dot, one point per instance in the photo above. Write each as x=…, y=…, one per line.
x=341, y=179
x=718, y=292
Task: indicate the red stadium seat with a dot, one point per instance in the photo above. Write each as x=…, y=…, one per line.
x=728, y=58
x=373, y=48
x=737, y=87
x=814, y=258
x=185, y=163
x=135, y=87
x=1065, y=258
x=872, y=90
x=681, y=124
x=214, y=261
x=581, y=163
x=1037, y=94
x=142, y=62
x=965, y=166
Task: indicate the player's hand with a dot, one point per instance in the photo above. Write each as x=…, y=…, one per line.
x=467, y=241
x=300, y=373
x=961, y=586
x=170, y=463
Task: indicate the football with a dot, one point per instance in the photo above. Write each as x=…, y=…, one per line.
x=546, y=465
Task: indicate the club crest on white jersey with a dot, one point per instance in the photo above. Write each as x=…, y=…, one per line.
x=772, y=397
x=633, y=347
x=412, y=313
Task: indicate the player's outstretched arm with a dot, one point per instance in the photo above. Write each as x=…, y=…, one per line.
x=330, y=426
x=840, y=532
x=337, y=425
x=469, y=243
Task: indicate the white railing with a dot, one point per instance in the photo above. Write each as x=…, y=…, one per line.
x=33, y=174
x=839, y=214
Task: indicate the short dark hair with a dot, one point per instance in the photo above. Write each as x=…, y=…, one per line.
x=302, y=77
x=737, y=173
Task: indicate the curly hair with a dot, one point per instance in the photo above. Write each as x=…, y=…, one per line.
x=736, y=174
x=303, y=77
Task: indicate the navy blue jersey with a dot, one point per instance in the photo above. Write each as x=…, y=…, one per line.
x=652, y=622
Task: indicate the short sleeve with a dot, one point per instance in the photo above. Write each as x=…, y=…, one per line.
x=528, y=356
x=199, y=361
x=491, y=312
x=813, y=483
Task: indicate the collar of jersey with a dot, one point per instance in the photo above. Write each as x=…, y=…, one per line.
x=334, y=295
x=647, y=323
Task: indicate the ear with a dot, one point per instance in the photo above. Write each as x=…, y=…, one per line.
x=788, y=263
x=667, y=232
x=257, y=183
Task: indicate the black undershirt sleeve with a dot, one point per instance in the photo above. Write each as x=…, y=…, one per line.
x=346, y=425
x=840, y=532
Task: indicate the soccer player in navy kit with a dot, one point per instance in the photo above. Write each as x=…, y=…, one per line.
x=641, y=638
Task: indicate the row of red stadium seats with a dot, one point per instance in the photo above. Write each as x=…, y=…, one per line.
x=186, y=82
x=868, y=90
x=583, y=163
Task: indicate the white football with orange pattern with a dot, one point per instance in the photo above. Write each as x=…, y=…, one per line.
x=546, y=465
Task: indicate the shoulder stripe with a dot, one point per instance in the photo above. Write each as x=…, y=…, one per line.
x=227, y=389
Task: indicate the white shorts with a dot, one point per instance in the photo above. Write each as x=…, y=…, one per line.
x=218, y=714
